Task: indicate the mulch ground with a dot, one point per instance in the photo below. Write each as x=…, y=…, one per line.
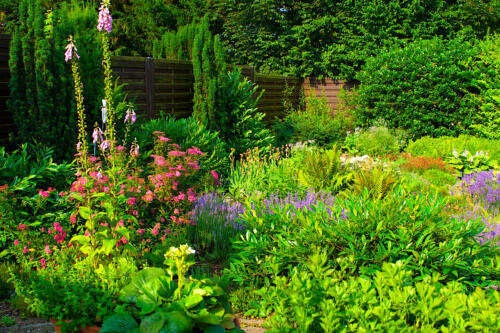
x=39, y=325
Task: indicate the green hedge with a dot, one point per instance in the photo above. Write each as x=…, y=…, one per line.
x=427, y=87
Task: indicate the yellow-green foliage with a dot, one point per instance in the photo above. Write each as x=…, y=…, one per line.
x=323, y=170
x=377, y=182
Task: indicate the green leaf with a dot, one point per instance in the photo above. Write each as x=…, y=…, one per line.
x=177, y=322
x=118, y=323
x=84, y=212
x=152, y=324
x=80, y=239
x=108, y=245
x=192, y=300
x=130, y=292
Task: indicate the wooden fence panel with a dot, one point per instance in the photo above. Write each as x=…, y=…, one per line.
x=160, y=85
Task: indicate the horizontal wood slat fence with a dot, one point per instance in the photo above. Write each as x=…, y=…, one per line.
x=161, y=85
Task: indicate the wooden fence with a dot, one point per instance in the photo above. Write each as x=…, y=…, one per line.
x=159, y=85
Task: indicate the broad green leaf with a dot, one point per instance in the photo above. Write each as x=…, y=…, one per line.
x=118, y=323
x=152, y=324
x=84, y=212
x=108, y=245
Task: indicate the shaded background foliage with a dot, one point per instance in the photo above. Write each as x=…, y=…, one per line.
x=301, y=38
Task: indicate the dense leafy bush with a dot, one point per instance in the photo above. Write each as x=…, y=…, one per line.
x=425, y=87
x=237, y=118
x=73, y=291
x=27, y=194
x=487, y=122
x=333, y=38
x=375, y=141
x=403, y=226
x=315, y=122
x=187, y=133
x=321, y=299
x=443, y=147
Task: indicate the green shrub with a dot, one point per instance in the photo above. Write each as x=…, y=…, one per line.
x=443, y=146
x=410, y=227
x=375, y=141
x=487, y=121
x=75, y=291
x=186, y=133
x=425, y=87
x=314, y=122
x=237, y=118
x=321, y=299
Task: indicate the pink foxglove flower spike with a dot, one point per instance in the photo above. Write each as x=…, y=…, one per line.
x=105, y=19
x=70, y=48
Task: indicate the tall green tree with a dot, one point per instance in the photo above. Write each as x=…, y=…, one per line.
x=42, y=97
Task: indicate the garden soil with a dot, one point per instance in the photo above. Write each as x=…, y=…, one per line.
x=38, y=325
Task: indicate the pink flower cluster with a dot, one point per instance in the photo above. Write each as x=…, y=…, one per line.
x=70, y=48
x=105, y=19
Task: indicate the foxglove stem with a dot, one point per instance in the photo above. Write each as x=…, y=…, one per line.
x=80, y=107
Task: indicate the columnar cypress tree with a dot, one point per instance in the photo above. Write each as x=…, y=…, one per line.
x=42, y=98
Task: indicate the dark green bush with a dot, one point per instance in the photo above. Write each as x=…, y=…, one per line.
x=187, y=133
x=487, y=122
x=443, y=146
x=426, y=87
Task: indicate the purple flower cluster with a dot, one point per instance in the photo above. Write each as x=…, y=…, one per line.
x=484, y=187
x=307, y=202
x=214, y=206
x=492, y=230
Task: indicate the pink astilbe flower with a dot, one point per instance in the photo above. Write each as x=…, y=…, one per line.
x=195, y=151
x=43, y=262
x=70, y=48
x=164, y=139
x=16, y=242
x=105, y=19
x=44, y=194
x=47, y=249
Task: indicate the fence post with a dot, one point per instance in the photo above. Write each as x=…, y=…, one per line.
x=149, y=87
